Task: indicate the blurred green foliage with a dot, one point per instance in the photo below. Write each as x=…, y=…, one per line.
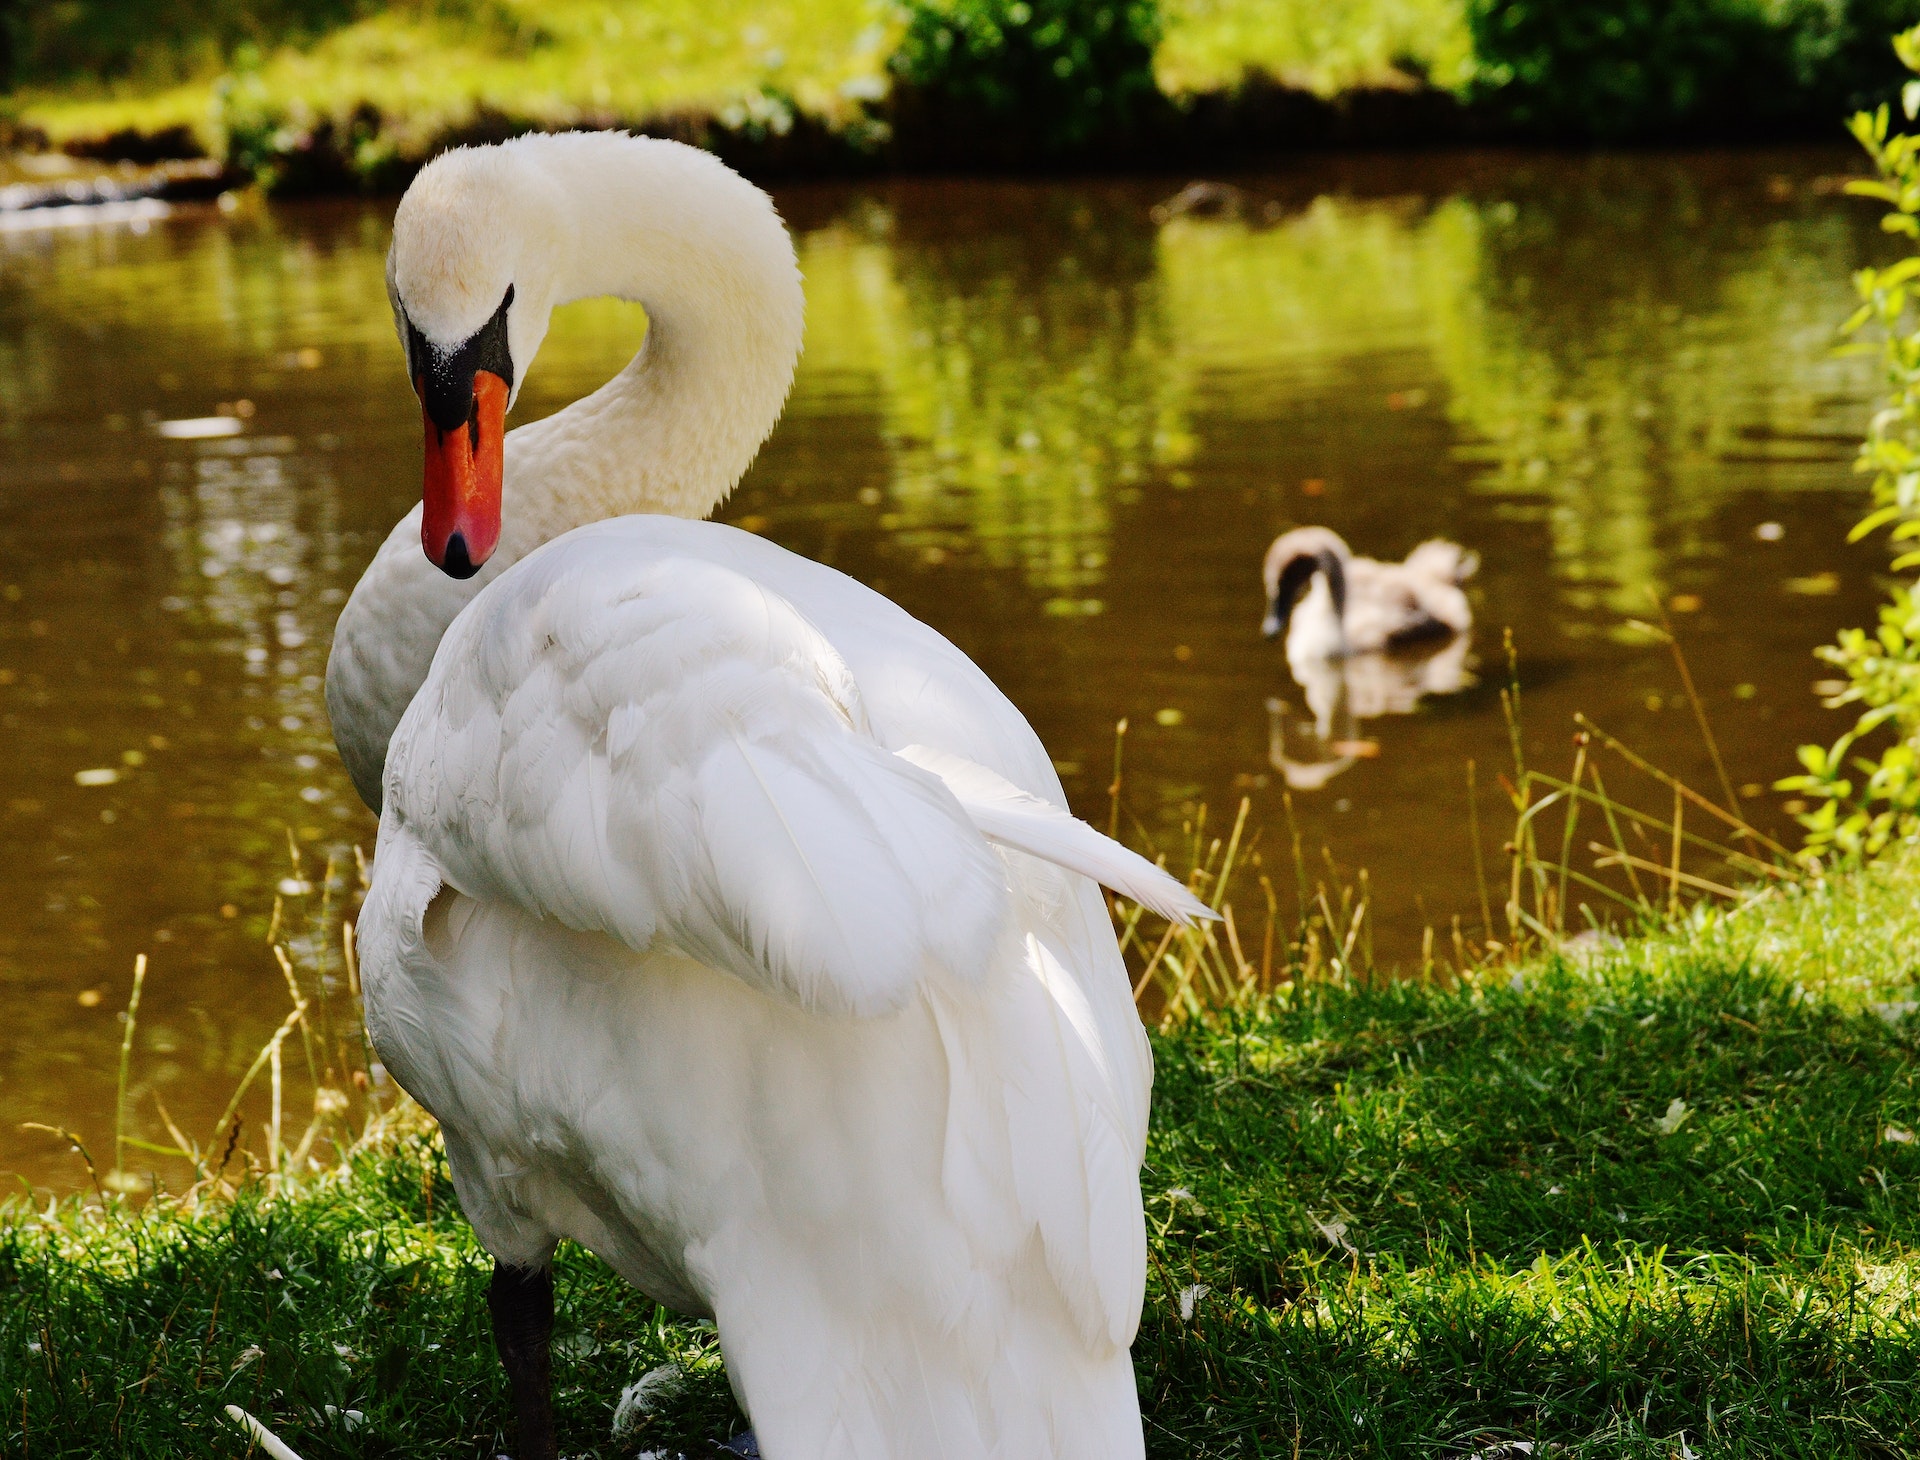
x=1882, y=667
x=1612, y=69
x=1328, y=47
x=1065, y=69
x=1053, y=73
x=105, y=39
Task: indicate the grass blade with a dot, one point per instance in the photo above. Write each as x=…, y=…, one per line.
x=117, y=1175
x=1645, y=766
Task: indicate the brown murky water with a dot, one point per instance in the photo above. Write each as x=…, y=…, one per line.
x=1058, y=429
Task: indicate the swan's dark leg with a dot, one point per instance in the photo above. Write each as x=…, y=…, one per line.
x=521, y=1302
x=743, y=1445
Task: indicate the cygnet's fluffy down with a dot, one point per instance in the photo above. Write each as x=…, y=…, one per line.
x=1330, y=604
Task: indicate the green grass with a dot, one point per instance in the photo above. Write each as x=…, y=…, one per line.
x=428, y=68
x=1423, y=1218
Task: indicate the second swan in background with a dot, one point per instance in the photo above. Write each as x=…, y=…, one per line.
x=1363, y=639
x=1331, y=604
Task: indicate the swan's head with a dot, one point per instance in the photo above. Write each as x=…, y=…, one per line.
x=468, y=273
x=1289, y=570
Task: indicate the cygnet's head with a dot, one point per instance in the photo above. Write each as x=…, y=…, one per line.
x=1292, y=561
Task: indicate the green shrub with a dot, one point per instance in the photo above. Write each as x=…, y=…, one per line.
x=1882, y=668
x=1062, y=70
x=1613, y=69
x=1839, y=50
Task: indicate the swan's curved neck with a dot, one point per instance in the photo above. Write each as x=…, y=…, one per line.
x=566, y=217
x=706, y=255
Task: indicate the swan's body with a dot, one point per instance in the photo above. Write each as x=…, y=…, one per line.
x=707, y=915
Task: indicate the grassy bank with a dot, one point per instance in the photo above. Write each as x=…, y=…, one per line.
x=1656, y=1203
x=345, y=94
x=432, y=67
x=356, y=93
x=776, y=87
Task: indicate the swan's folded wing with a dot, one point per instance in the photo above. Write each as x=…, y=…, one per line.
x=1064, y=1089
x=666, y=752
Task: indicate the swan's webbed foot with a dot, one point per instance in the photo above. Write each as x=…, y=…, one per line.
x=521, y=1302
x=742, y=1445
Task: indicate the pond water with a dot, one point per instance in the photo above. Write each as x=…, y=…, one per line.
x=1057, y=425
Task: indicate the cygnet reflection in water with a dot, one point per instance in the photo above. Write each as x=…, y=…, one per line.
x=1310, y=748
x=1363, y=639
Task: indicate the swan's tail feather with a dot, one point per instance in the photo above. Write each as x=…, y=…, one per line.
x=1013, y=818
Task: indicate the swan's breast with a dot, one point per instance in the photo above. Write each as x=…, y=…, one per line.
x=383, y=646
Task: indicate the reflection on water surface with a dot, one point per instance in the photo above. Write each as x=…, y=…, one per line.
x=1059, y=431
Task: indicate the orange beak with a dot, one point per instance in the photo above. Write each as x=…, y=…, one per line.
x=460, y=520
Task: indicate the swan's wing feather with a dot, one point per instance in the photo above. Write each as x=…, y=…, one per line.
x=665, y=751
x=1014, y=818
x=1064, y=1090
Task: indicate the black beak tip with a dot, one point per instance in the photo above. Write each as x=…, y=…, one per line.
x=456, y=563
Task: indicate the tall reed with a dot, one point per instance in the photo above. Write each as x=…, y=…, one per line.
x=310, y=948
x=1561, y=888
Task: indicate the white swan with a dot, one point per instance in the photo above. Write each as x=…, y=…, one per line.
x=724, y=914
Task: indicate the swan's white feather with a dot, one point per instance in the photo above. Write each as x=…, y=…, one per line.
x=1013, y=818
x=665, y=751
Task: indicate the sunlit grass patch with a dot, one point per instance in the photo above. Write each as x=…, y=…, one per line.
x=1324, y=46
x=1665, y=1192
x=430, y=68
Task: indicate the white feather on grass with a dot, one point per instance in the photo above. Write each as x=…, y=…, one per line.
x=640, y=1398
x=268, y=1441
